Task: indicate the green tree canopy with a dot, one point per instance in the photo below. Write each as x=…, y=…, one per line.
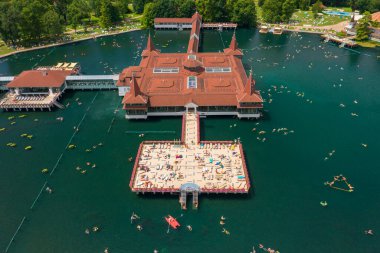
x=51, y=23
x=242, y=12
x=272, y=11
x=186, y=8
x=78, y=10
x=212, y=10
x=362, y=30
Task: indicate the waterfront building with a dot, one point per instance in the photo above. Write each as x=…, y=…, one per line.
x=169, y=84
x=39, y=88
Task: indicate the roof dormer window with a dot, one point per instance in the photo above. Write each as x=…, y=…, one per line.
x=192, y=57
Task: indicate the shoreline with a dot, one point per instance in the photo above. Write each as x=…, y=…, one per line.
x=66, y=43
x=132, y=30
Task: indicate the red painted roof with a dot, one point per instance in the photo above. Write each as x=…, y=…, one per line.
x=172, y=20
x=159, y=88
x=376, y=16
x=40, y=79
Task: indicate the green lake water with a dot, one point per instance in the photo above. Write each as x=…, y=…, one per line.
x=288, y=172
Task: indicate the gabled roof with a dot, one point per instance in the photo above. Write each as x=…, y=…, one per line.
x=376, y=16
x=134, y=96
x=149, y=47
x=249, y=95
x=40, y=79
x=233, y=49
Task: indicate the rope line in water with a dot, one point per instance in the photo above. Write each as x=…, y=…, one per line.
x=56, y=165
x=150, y=132
x=13, y=237
x=38, y=196
x=220, y=34
x=113, y=118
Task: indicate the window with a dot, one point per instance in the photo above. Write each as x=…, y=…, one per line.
x=218, y=70
x=165, y=70
x=191, y=57
x=192, y=82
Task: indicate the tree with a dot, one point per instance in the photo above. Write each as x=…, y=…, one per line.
x=122, y=6
x=159, y=8
x=31, y=23
x=106, y=13
x=212, y=10
x=95, y=6
x=242, y=12
x=52, y=24
x=76, y=11
x=138, y=5
x=272, y=11
x=316, y=8
x=148, y=15
x=304, y=5
x=186, y=8
x=61, y=7
x=10, y=17
x=288, y=8
x=363, y=31
x=260, y=3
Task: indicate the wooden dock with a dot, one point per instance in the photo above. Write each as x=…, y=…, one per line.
x=190, y=166
x=343, y=42
x=219, y=26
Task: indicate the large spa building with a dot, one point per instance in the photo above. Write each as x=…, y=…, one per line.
x=169, y=84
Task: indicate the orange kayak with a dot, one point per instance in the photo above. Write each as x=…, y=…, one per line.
x=172, y=222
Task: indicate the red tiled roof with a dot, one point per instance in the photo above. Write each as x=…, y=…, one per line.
x=40, y=79
x=213, y=88
x=376, y=16
x=172, y=20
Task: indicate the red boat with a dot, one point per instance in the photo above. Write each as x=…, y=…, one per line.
x=172, y=222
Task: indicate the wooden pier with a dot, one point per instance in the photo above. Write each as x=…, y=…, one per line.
x=219, y=26
x=191, y=166
x=343, y=42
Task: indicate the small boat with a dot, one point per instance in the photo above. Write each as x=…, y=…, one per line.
x=172, y=222
x=189, y=228
x=221, y=222
x=323, y=203
x=264, y=29
x=222, y=218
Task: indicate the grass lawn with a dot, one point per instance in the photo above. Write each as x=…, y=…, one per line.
x=369, y=43
x=4, y=49
x=306, y=18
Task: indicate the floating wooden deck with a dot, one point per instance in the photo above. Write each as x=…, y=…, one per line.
x=190, y=165
x=343, y=42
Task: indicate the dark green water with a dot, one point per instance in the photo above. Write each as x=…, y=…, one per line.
x=288, y=171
